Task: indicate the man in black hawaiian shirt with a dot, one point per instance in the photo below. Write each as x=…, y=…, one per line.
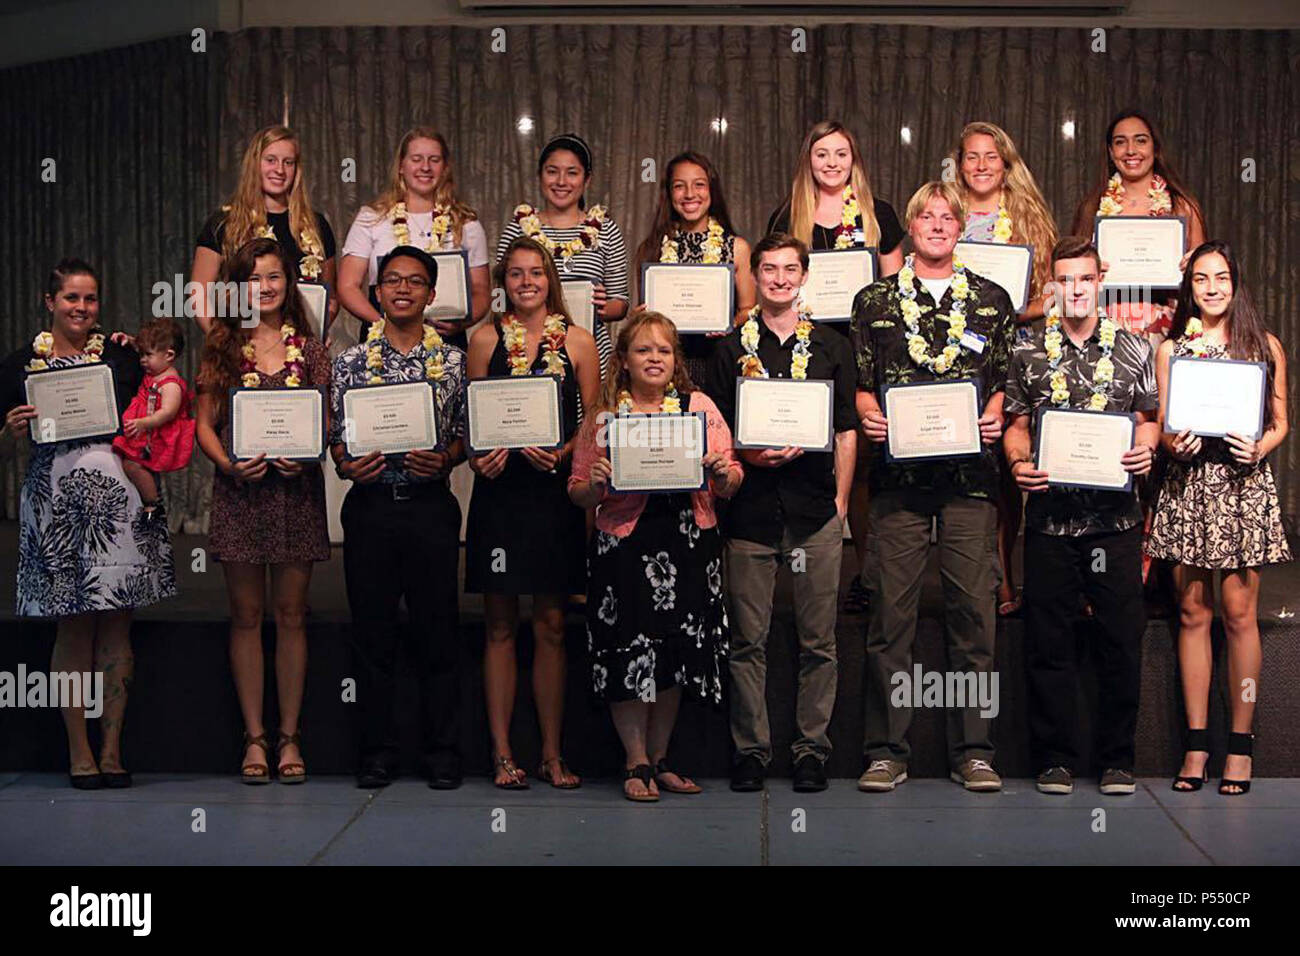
x=933, y=321
x=1081, y=538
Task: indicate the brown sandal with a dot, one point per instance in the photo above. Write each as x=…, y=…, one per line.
x=517, y=780
x=545, y=771
x=645, y=773
x=254, y=773
x=662, y=768
x=295, y=771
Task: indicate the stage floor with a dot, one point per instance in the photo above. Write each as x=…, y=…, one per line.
x=328, y=821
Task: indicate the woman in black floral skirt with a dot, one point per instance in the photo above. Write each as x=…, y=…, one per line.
x=656, y=624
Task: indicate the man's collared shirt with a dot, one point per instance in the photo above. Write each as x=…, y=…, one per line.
x=350, y=369
x=799, y=495
x=879, y=336
x=1079, y=511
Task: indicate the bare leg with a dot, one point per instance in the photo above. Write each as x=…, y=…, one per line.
x=663, y=717
x=246, y=590
x=548, y=677
x=289, y=584
x=1241, y=624
x=74, y=652
x=1195, y=656
x=500, y=674
x=632, y=720
x=143, y=480
x=114, y=658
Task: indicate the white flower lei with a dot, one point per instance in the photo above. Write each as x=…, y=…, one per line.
x=43, y=350
x=402, y=231
x=751, y=366
x=917, y=347
x=313, y=258
x=434, y=359
x=589, y=238
x=1102, y=376
x=670, y=250
x=1112, y=202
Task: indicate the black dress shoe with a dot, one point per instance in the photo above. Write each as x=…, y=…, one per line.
x=809, y=775
x=373, y=776
x=119, y=780
x=747, y=774
x=446, y=777
x=86, y=781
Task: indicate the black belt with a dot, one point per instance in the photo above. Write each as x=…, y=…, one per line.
x=402, y=490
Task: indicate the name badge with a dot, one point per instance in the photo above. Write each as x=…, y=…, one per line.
x=973, y=341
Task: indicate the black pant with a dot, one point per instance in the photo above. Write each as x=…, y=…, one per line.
x=395, y=549
x=1107, y=568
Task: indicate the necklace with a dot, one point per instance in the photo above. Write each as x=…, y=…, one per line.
x=671, y=404
x=1112, y=203
x=917, y=347
x=516, y=340
x=670, y=249
x=402, y=230
x=751, y=366
x=849, y=212
x=293, y=343
x=587, y=239
x=434, y=359
x=313, y=254
x=43, y=350
x=1102, y=376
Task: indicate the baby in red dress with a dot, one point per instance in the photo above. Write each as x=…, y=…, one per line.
x=158, y=426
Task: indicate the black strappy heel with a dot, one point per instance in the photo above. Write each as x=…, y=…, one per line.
x=1241, y=745
x=1197, y=741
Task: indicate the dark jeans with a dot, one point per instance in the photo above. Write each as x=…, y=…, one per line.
x=410, y=550
x=1107, y=568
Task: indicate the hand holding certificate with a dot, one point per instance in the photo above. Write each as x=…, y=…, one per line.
x=1216, y=397
x=698, y=298
x=656, y=453
x=1084, y=449
x=72, y=404
x=284, y=423
x=389, y=419
x=510, y=411
x=933, y=420
x=784, y=413
x=1141, y=250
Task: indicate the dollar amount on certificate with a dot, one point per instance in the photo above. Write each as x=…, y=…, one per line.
x=1082, y=449
x=835, y=276
x=656, y=453
x=698, y=298
x=514, y=412
x=933, y=420
x=781, y=412
x=390, y=419
x=278, y=423
x=1141, y=250
x=72, y=404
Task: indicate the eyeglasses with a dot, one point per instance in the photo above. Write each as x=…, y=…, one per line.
x=393, y=281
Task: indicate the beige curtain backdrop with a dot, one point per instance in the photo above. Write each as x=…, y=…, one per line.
x=147, y=139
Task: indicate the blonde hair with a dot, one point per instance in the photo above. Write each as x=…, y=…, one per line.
x=803, y=192
x=554, y=290
x=246, y=212
x=935, y=189
x=1032, y=222
x=444, y=194
x=616, y=377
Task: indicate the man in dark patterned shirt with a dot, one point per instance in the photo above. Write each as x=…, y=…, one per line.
x=401, y=527
x=1077, y=537
x=933, y=321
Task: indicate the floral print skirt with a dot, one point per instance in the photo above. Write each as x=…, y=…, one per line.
x=655, y=613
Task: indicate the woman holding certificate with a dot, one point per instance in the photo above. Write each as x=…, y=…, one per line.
x=586, y=244
x=692, y=226
x=86, y=553
x=1217, y=508
x=1005, y=207
x=266, y=512
x=270, y=201
x=523, y=536
x=656, y=560
x=418, y=207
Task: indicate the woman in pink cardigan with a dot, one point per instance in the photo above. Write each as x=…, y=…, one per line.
x=656, y=623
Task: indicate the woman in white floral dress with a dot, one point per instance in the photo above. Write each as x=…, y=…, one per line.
x=656, y=624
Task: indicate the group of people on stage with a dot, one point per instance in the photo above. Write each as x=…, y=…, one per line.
x=679, y=587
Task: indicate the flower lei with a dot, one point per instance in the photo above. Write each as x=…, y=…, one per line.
x=1002, y=226
x=43, y=350
x=917, y=347
x=1102, y=375
x=751, y=366
x=313, y=258
x=1112, y=203
x=1194, y=338
x=670, y=251
x=553, y=334
x=588, y=238
x=848, y=219
x=433, y=360
x=402, y=231
x=293, y=343
x=671, y=404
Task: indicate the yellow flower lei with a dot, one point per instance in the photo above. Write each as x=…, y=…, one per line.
x=917, y=347
x=589, y=238
x=516, y=341
x=1002, y=227
x=670, y=251
x=751, y=366
x=402, y=231
x=1102, y=375
x=43, y=350
x=1194, y=337
x=849, y=213
x=292, y=359
x=671, y=404
x=1112, y=203
x=309, y=266
x=434, y=359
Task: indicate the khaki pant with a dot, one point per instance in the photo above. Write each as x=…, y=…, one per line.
x=751, y=576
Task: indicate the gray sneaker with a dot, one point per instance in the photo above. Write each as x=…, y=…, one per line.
x=977, y=775
x=882, y=775
x=1055, y=780
x=1118, y=782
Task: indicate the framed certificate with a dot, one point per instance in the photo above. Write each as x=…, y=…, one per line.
x=776, y=412
x=932, y=420
x=834, y=277
x=657, y=453
x=316, y=301
x=1211, y=397
x=514, y=411
x=697, y=297
x=1141, y=250
x=579, y=301
x=1011, y=267
x=1082, y=449
x=72, y=404
x=392, y=419
x=452, y=298
x=278, y=423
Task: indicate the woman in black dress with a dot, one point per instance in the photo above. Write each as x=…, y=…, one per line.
x=523, y=535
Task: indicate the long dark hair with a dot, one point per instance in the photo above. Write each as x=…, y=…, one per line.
x=666, y=222
x=1247, y=335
